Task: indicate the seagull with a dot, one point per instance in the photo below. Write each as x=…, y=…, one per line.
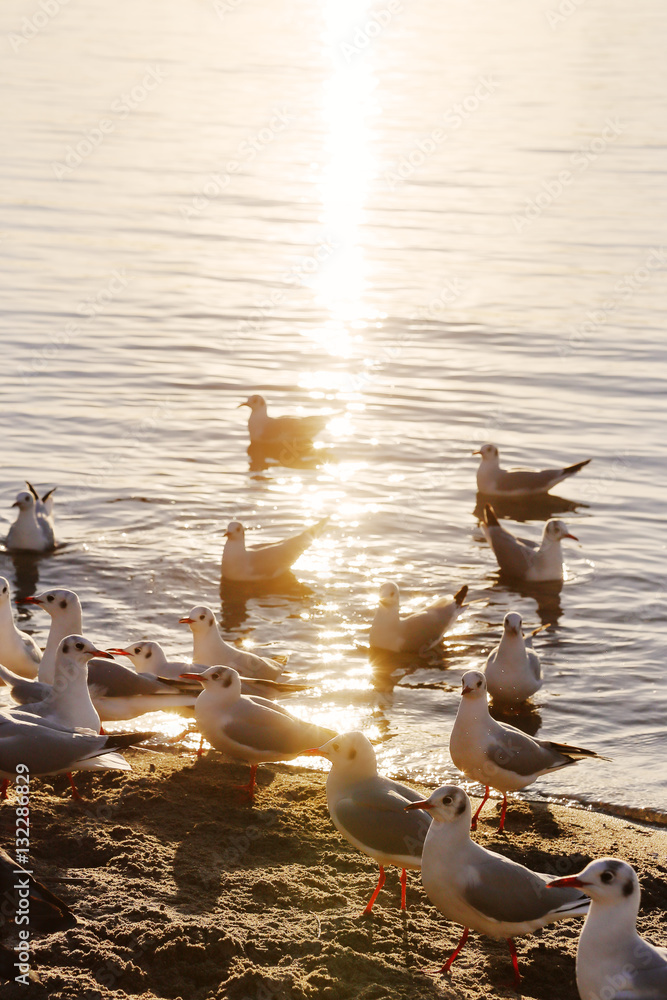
x=44, y=504
x=480, y=889
x=117, y=691
x=296, y=431
x=264, y=562
x=523, y=559
x=369, y=809
x=494, y=481
x=613, y=961
x=249, y=728
x=418, y=632
x=18, y=650
x=497, y=755
x=513, y=672
x=33, y=528
x=211, y=649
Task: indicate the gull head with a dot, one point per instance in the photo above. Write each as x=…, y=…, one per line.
x=349, y=753
x=235, y=531
x=200, y=619
x=555, y=531
x=79, y=650
x=56, y=602
x=24, y=501
x=256, y=403
x=389, y=595
x=223, y=682
x=512, y=623
x=144, y=652
x=488, y=453
x=608, y=881
x=473, y=684
x=447, y=804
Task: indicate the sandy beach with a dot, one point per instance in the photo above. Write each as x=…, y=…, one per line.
x=183, y=891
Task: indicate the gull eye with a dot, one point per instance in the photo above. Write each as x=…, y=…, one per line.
x=4, y=590
x=607, y=877
x=447, y=801
x=201, y=618
x=79, y=645
x=137, y=650
x=63, y=604
x=50, y=598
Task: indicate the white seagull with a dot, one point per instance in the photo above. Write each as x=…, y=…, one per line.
x=513, y=671
x=522, y=558
x=33, y=528
x=415, y=633
x=613, y=961
x=295, y=431
x=369, y=809
x=18, y=651
x=497, y=755
x=494, y=481
x=267, y=561
x=480, y=889
x=248, y=728
x=210, y=648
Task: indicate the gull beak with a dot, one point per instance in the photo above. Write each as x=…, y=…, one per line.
x=422, y=804
x=572, y=881
x=226, y=534
x=28, y=600
x=103, y=653
x=16, y=504
x=573, y=537
x=243, y=404
x=186, y=621
x=193, y=677
x=315, y=752
x=466, y=690
x=118, y=652
x=478, y=452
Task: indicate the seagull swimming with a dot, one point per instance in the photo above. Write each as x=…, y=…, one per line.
x=210, y=648
x=33, y=528
x=497, y=755
x=494, y=481
x=18, y=651
x=264, y=562
x=296, y=431
x=249, y=728
x=480, y=889
x=613, y=961
x=417, y=632
x=369, y=809
x=513, y=671
x=524, y=559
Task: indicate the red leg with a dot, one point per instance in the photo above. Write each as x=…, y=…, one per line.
x=369, y=907
x=249, y=789
x=502, y=814
x=200, y=752
x=515, y=963
x=75, y=793
x=473, y=825
x=102, y=733
x=455, y=954
x=3, y=790
x=404, y=882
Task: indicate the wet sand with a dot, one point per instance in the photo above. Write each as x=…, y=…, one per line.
x=183, y=891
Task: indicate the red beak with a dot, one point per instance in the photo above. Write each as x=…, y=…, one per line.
x=312, y=753
x=103, y=653
x=423, y=804
x=573, y=537
x=185, y=621
x=572, y=881
x=466, y=690
x=191, y=677
x=118, y=652
x=28, y=600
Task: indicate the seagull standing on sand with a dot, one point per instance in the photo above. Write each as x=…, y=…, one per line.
x=613, y=961
x=266, y=430
x=480, y=889
x=264, y=562
x=369, y=809
x=248, y=728
x=33, y=528
x=415, y=633
x=513, y=672
x=18, y=650
x=497, y=755
x=494, y=481
x=210, y=648
x=524, y=559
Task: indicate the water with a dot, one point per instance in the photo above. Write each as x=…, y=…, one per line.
x=444, y=223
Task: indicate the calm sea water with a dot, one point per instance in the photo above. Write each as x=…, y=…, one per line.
x=442, y=222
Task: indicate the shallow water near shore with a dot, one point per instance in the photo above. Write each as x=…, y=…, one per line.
x=444, y=231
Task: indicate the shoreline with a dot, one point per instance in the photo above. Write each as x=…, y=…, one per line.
x=184, y=893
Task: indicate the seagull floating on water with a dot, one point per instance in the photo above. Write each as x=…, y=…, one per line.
x=497, y=755
x=295, y=431
x=522, y=558
x=369, y=809
x=33, y=529
x=268, y=561
x=480, y=889
x=513, y=671
x=418, y=632
x=613, y=961
x=494, y=481
x=210, y=648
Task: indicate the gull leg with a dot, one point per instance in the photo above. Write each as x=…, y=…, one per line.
x=515, y=963
x=249, y=789
x=3, y=790
x=404, y=881
x=200, y=752
x=454, y=955
x=487, y=792
x=502, y=814
x=75, y=793
x=102, y=733
x=369, y=907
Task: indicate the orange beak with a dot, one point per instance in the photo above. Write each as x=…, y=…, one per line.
x=118, y=652
x=186, y=621
x=572, y=881
x=423, y=804
x=573, y=537
x=191, y=677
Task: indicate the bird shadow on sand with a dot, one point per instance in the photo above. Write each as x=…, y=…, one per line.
x=290, y=455
x=524, y=509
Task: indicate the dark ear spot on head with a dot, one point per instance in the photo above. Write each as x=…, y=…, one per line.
x=461, y=809
x=63, y=604
x=352, y=754
x=65, y=649
x=149, y=654
x=628, y=888
x=227, y=681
